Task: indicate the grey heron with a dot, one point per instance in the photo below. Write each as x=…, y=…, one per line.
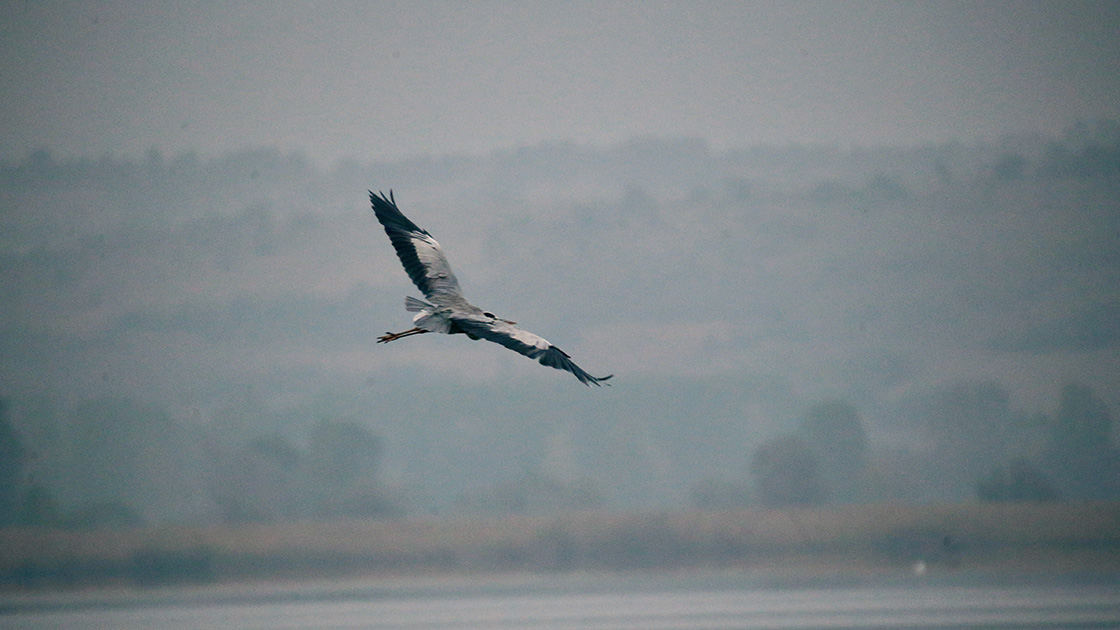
x=446, y=310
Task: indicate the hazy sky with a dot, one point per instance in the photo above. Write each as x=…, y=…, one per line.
x=386, y=80
x=726, y=291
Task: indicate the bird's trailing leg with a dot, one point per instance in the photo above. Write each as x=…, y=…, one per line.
x=387, y=337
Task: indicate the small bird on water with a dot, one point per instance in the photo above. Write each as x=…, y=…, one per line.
x=446, y=310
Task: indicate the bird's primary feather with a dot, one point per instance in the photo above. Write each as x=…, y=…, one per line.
x=420, y=253
x=529, y=344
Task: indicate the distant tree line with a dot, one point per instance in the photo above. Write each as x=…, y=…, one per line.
x=117, y=462
x=120, y=461
x=978, y=447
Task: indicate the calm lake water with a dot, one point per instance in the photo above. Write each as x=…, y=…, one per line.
x=634, y=602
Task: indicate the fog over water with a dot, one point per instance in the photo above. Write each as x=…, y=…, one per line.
x=682, y=602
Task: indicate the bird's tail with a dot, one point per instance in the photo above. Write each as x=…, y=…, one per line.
x=413, y=305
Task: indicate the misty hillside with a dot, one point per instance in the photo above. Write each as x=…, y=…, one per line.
x=175, y=321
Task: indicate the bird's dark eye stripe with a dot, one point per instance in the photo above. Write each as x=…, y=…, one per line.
x=488, y=314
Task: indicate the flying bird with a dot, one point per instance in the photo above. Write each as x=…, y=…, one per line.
x=446, y=310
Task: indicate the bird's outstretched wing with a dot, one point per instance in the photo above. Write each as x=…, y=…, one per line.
x=526, y=343
x=419, y=252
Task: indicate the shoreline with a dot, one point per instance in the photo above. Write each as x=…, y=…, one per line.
x=997, y=539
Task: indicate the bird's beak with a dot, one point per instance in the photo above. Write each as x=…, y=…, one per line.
x=509, y=322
